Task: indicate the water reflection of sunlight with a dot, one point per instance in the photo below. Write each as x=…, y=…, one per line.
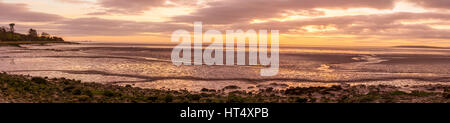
x=128, y=68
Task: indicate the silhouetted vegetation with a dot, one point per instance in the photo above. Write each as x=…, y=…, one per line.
x=9, y=34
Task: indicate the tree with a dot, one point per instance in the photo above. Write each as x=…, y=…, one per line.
x=11, y=27
x=9, y=35
x=2, y=33
x=32, y=33
x=2, y=29
x=44, y=34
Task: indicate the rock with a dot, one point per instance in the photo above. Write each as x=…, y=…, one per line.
x=345, y=85
x=232, y=87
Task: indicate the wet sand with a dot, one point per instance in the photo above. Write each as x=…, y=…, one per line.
x=149, y=66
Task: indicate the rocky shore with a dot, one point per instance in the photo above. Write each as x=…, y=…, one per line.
x=27, y=89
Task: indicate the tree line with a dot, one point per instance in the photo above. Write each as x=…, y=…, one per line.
x=9, y=34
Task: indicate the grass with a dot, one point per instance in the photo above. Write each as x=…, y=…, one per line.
x=27, y=89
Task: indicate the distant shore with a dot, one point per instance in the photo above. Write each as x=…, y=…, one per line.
x=27, y=89
x=18, y=43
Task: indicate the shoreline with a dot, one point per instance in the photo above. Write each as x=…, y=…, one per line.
x=28, y=89
x=18, y=43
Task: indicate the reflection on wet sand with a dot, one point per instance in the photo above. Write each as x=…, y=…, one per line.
x=149, y=66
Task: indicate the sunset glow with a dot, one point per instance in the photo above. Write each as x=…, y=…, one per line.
x=303, y=22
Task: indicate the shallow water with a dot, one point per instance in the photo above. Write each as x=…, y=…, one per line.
x=149, y=66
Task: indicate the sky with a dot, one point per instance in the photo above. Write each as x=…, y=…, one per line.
x=302, y=22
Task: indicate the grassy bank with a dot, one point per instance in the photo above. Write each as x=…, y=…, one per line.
x=27, y=89
x=18, y=43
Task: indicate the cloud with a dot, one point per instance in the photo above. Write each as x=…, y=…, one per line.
x=107, y=27
x=232, y=11
x=440, y=4
x=74, y=1
x=375, y=25
x=236, y=14
x=389, y=26
x=130, y=6
x=19, y=12
x=138, y=6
